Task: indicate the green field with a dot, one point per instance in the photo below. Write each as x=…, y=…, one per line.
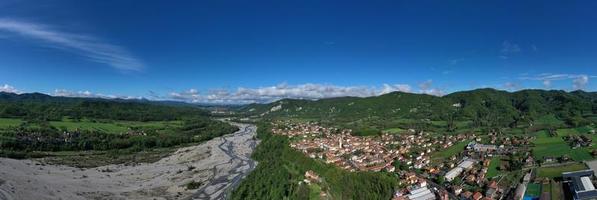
x=9, y=122
x=584, y=129
x=450, y=151
x=394, y=130
x=556, y=190
x=533, y=190
x=493, y=167
x=107, y=126
x=552, y=172
x=114, y=127
x=314, y=191
x=549, y=120
x=556, y=146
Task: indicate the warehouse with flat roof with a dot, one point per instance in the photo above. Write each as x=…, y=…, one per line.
x=580, y=184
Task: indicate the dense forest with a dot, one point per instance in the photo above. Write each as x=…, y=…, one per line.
x=483, y=107
x=43, y=107
x=281, y=169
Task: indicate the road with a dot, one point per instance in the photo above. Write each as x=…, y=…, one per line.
x=227, y=175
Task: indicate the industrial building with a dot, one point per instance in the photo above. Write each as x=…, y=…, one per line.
x=456, y=171
x=580, y=184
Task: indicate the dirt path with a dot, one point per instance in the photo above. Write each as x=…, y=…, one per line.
x=219, y=164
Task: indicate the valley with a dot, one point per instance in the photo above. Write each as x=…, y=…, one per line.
x=205, y=171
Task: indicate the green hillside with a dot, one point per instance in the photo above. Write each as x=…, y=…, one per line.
x=44, y=107
x=36, y=124
x=482, y=107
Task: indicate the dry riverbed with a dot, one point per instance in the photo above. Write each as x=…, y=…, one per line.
x=217, y=165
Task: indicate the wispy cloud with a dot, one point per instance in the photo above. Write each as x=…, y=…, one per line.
x=511, y=86
x=8, y=88
x=387, y=88
x=455, y=61
x=88, y=94
x=426, y=87
x=509, y=48
x=88, y=46
x=579, y=81
x=425, y=84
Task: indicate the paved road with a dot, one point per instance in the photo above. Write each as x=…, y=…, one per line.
x=227, y=177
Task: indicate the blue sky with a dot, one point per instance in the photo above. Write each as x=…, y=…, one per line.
x=247, y=51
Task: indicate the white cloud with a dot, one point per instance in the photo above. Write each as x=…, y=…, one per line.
x=547, y=83
x=88, y=94
x=268, y=94
x=88, y=46
x=579, y=81
x=8, y=88
x=425, y=84
x=387, y=88
x=511, y=86
x=426, y=87
x=433, y=91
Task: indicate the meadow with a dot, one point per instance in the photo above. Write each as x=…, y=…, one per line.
x=114, y=127
x=107, y=126
x=549, y=120
x=555, y=146
x=493, y=171
x=553, y=172
x=394, y=130
x=9, y=122
x=450, y=151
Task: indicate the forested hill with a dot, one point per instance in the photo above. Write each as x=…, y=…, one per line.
x=51, y=108
x=485, y=107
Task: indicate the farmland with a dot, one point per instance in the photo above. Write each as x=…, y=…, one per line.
x=555, y=146
x=106, y=126
x=114, y=127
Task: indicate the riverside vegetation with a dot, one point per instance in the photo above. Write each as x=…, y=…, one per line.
x=37, y=125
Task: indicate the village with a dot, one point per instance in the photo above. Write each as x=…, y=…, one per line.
x=412, y=156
